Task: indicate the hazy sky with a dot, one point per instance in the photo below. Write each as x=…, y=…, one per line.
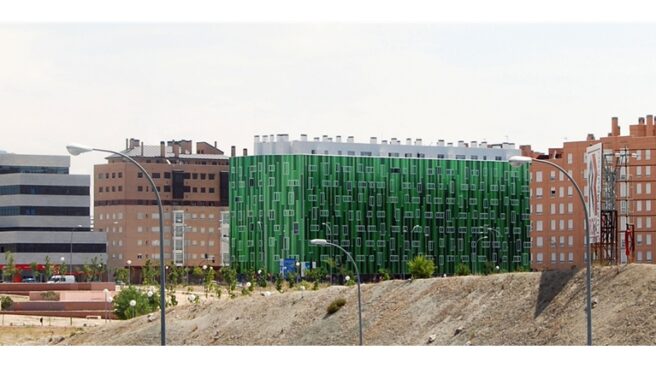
x=98, y=84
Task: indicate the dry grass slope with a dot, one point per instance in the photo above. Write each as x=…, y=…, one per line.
x=506, y=309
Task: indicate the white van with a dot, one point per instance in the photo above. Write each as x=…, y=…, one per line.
x=67, y=279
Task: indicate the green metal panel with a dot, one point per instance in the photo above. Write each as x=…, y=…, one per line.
x=370, y=205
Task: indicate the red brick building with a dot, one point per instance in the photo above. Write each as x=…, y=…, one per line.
x=557, y=213
x=193, y=185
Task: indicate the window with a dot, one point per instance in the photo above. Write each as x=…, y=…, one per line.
x=538, y=208
x=570, y=224
x=538, y=176
x=539, y=241
x=570, y=158
x=570, y=208
x=538, y=225
x=538, y=192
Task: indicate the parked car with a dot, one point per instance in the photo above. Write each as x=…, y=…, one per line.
x=67, y=279
x=28, y=279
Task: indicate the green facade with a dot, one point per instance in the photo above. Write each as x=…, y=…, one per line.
x=384, y=211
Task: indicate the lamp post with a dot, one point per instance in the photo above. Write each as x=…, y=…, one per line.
x=324, y=242
x=298, y=271
x=129, y=262
x=75, y=150
x=133, y=303
x=105, y=292
x=475, y=252
x=329, y=235
x=70, y=257
x=404, y=264
x=498, y=235
x=517, y=161
x=61, y=260
x=259, y=225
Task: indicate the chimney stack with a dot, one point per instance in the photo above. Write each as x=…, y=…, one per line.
x=233, y=151
x=162, y=149
x=245, y=151
x=615, y=127
x=650, y=125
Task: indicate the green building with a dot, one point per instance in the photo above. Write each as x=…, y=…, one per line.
x=384, y=211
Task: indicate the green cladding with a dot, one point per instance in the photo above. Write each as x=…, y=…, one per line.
x=384, y=211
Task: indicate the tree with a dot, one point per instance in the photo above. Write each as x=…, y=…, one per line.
x=144, y=304
x=87, y=271
x=47, y=268
x=35, y=271
x=197, y=272
x=210, y=274
x=149, y=273
x=121, y=275
x=10, y=267
x=229, y=275
x=62, y=267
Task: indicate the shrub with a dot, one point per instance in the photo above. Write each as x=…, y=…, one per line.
x=336, y=305
x=462, y=269
x=487, y=268
x=384, y=274
x=229, y=275
x=6, y=302
x=144, y=304
x=174, y=300
x=291, y=279
x=421, y=268
x=50, y=295
x=279, y=283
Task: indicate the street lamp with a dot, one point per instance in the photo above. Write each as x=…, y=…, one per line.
x=516, y=161
x=133, y=303
x=129, y=262
x=76, y=149
x=329, y=235
x=493, y=252
x=70, y=257
x=324, y=242
x=105, y=291
x=404, y=264
x=475, y=254
x=109, y=299
x=298, y=271
x=61, y=260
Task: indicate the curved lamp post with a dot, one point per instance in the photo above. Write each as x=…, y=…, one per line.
x=475, y=263
x=76, y=149
x=129, y=262
x=324, y=242
x=517, y=161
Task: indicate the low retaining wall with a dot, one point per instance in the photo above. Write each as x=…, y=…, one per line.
x=24, y=288
x=74, y=295
x=74, y=314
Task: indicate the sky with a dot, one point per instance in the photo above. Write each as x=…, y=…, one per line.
x=97, y=73
x=527, y=83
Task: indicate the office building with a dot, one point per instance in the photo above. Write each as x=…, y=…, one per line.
x=385, y=203
x=44, y=214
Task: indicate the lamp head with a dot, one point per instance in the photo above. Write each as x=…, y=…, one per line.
x=318, y=242
x=517, y=161
x=75, y=149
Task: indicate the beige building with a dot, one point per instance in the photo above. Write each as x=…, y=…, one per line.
x=557, y=216
x=193, y=186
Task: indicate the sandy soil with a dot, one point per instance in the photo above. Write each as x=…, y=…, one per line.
x=504, y=309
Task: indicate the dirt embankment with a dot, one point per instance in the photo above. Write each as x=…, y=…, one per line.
x=506, y=309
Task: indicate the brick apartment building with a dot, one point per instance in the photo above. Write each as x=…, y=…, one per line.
x=556, y=211
x=194, y=190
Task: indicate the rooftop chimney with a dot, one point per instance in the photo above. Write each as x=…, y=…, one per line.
x=338, y=139
x=233, y=151
x=245, y=151
x=303, y=137
x=615, y=127
x=162, y=149
x=349, y=139
x=418, y=142
x=650, y=125
x=372, y=140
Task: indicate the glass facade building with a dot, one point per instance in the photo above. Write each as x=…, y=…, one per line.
x=384, y=211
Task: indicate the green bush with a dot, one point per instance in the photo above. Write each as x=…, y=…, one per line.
x=384, y=274
x=487, y=268
x=6, y=302
x=50, y=295
x=421, y=268
x=229, y=275
x=336, y=305
x=279, y=283
x=291, y=279
x=144, y=304
x=462, y=269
